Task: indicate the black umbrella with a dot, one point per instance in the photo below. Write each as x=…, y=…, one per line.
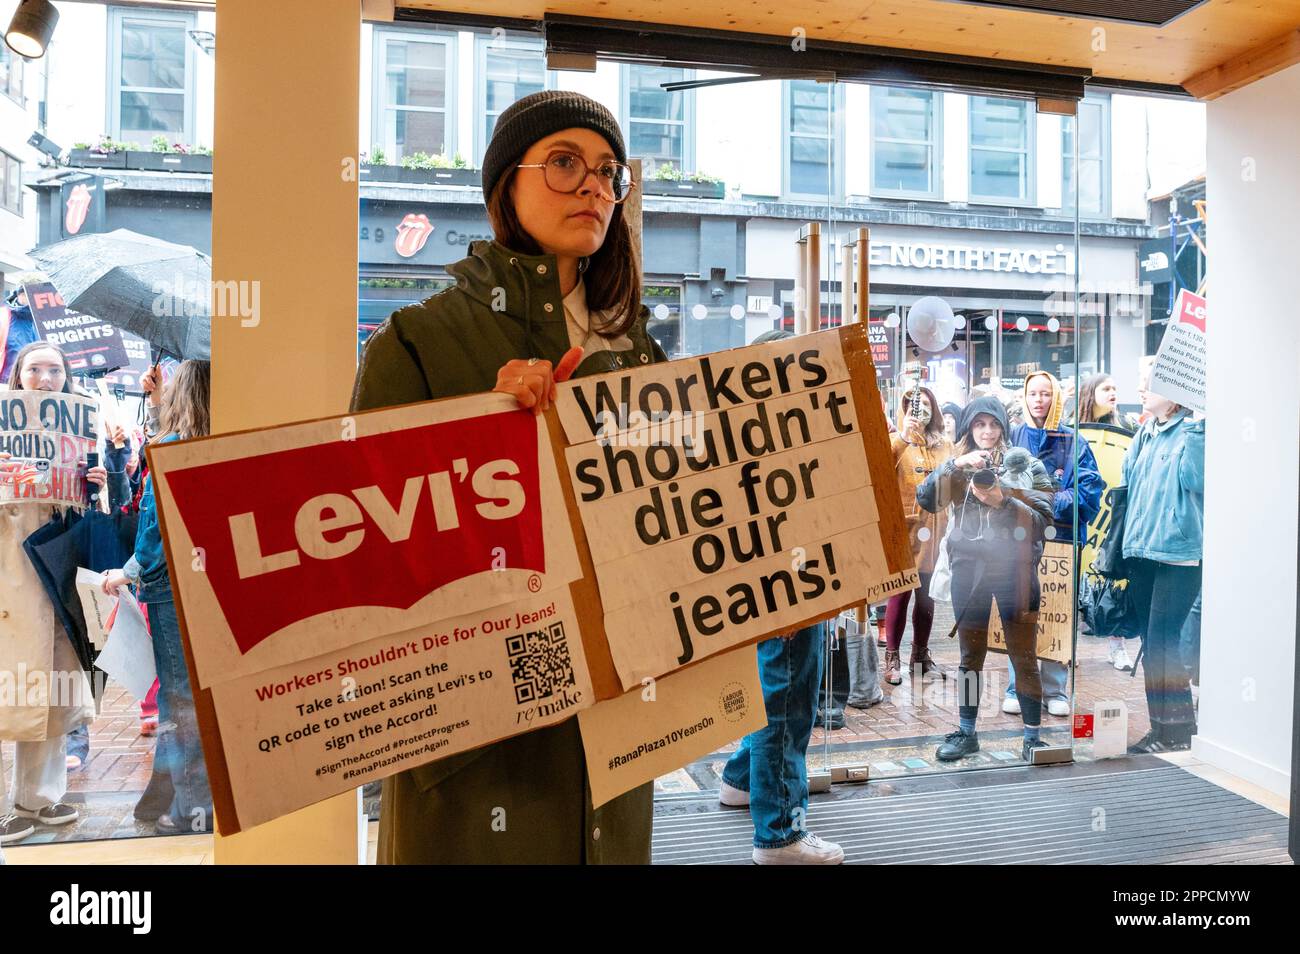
x=151, y=288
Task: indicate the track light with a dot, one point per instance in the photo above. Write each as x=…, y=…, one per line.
x=31, y=28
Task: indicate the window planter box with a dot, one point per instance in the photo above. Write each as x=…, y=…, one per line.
x=168, y=162
x=694, y=190
x=456, y=177
x=89, y=159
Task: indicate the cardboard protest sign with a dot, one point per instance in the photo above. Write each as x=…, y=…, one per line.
x=670, y=722
x=48, y=435
x=91, y=345
x=734, y=496
x=1109, y=444
x=322, y=726
x=1179, y=370
x=375, y=547
x=1055, y=609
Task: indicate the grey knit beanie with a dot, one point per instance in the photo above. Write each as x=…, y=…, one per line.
x=539, y=114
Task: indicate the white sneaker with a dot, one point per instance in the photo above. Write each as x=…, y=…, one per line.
x=808, y=850
x=1119, y=657
x=1058, y=707
x=1011, y=704
x=732, y=797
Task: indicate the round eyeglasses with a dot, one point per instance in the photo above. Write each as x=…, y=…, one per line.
x=567, y=171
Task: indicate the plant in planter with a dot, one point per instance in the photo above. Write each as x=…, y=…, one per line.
x=168, y=156
x=104, y=152
x=667, y=179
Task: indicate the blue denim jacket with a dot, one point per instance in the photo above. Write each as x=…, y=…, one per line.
x=149, y=561
x=1164, y=471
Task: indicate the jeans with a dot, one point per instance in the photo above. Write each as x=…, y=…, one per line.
x=771, y=763
x=79, y=742
x=1189, y=644
x=179, y=752
x=1163, y=595
x=864, y=664
x=1054, y=676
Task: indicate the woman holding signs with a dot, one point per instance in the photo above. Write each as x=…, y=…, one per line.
x=557, y=293
x=33, y=640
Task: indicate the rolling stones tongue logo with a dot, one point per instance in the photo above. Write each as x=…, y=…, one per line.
x=78, y=206
x=412, y=233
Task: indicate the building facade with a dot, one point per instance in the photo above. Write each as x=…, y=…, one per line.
x=970, y=198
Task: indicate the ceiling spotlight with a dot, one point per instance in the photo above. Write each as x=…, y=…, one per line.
x=31, y=28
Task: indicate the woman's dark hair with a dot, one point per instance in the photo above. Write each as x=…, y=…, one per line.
x=613, y=275
x=1088, y=399
x=15, y=376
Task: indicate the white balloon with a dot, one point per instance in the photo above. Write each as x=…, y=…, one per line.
x=961, y=321
x=699, y=311
x=891, y=320
x=661, y=311
x=931, y=323
x=774, y=311
x=737, y=312
x=1053, y=325
x=990, y=323
x=1022, y=323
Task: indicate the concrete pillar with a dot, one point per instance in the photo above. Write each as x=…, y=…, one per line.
x=1253, y=376
x=284, y=215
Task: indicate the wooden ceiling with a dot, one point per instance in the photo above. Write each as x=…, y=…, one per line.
x=1238, y=38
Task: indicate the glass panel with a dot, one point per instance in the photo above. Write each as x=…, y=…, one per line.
x=902, y=167
x=411, y=131
x=417, y=74
x=997, y=174
x=659, y=141
x=809, y=104
x=999, y=122
x=144, y=115
x=904, y=114
x=153, y=55
x=648, y=100
x=511, y=76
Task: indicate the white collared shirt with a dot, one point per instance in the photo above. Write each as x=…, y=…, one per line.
x=578, y=320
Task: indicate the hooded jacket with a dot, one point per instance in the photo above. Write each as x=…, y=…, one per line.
x=913, y=463
x=453, y=344
x=1054, y=444
x=1164, y=471
x=504, y=305
x=1005, y=543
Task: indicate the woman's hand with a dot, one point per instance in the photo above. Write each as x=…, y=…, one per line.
x=533, y=381
x=151, y=385
x=97, y=476
x=6, y=468
x=113, y=580
x=975, y=460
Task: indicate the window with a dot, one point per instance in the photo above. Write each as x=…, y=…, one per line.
x=413, y=109
x=658, y=121
x=1093, y=125
x=510, y=69
x=1001, y=150
x=906, y=137
x=151, y=82
x=11, y=74
x=11, y=183
x=810, y=140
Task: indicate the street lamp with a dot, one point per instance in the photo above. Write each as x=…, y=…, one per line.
x=31, y=28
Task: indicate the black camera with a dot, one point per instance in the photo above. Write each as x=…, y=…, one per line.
x=984, y=479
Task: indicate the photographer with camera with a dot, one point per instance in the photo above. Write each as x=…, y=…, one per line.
x=1002, y=503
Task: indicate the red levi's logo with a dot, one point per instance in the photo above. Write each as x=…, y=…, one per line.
x=378, y=521
x=1192, y=311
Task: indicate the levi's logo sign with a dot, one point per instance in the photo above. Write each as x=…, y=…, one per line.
x=383, y=520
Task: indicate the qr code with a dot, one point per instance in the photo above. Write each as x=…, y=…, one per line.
x=539, y=663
